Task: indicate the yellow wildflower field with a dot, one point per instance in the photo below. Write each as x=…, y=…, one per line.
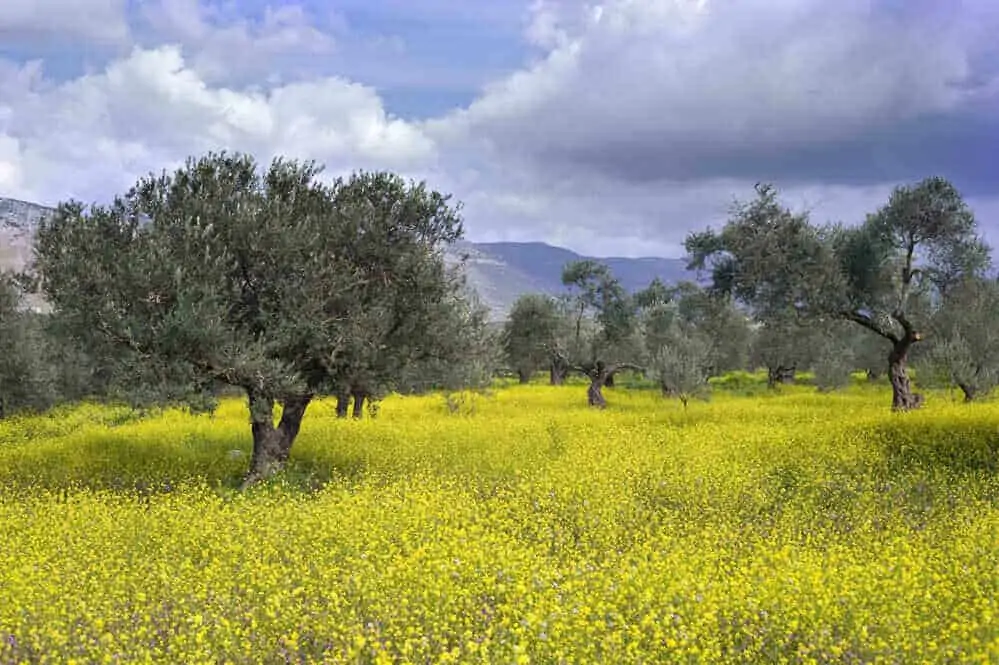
x=526, y=528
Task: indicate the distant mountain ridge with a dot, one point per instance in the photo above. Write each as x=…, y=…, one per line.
x=499, y=272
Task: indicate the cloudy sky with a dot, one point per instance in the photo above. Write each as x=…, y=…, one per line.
x=611, y=128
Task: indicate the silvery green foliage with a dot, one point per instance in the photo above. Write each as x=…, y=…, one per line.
x=267, y=279
x=531, y=332
x=680, y=362
x=963, y=343
x=27, y=380
x=835, y=358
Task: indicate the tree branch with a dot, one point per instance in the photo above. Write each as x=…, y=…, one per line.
x=869, y=323
x=910, y=330
x=617, y=367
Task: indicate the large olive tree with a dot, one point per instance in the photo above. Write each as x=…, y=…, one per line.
x=903, y=262
x=884, y=275
x=268, y=280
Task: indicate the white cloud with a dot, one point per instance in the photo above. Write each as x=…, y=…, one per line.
x=700, y=78
x=223, y=46
x=94, y=20
x=619, y=139
x=644, y=118
x=94, y=135
x=598, y=216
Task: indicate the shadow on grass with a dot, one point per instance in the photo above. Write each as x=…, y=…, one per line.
x=961, y=447
x=129, y=463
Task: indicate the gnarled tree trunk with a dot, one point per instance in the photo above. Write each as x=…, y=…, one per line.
x=598, y=375
x=558, y=372
x=272, y=443
x=969, y=391
x=342, y=404
x=523, y=376
x=594, y=393
x=779, y=375
x=902, y=397
x=359, y=397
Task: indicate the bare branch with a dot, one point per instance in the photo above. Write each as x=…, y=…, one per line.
x=869, y=323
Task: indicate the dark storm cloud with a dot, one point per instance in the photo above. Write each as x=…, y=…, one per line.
x=963, y=148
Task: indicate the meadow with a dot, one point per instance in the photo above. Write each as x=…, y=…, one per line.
x=525, y=528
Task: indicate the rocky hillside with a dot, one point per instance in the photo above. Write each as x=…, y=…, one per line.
x=499, y=272
x=17, y=221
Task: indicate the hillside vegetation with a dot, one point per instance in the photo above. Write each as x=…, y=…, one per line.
x=513, y=526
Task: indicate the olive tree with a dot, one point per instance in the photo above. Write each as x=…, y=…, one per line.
x=602, y=339
x=836, y=358
x=266, y=280
x=963, y=339
x=902, y=259
x=884, y=275
x=783, y=345
x=712, y=315
x=530, y=330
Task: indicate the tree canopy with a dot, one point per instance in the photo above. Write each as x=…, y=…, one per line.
x=267, y=280
x=603, y=332
x=882, y=274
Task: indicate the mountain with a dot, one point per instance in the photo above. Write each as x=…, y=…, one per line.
x=498, y=271
x=17, y=223
x=502, y=271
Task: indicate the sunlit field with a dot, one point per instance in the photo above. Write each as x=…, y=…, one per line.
x=525, y=528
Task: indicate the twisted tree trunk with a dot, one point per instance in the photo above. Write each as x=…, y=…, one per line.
x=902, y=396
x=558, y=372
x=599, y=374
x=342, y=404
x=780, y=375
x=359, y=397
x=272, y=443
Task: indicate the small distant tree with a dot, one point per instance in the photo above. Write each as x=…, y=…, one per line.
x=608, y=343
x=712, y=315
x=783, y=345
x=963, y=340
x=528, y=334
x=680, y=362
x=462, y=352
x=835, y=359
x=869, y=352
x=266, y=280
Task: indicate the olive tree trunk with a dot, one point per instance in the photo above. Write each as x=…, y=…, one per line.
x=558, y=373
x=780, y=375
x=969, y=391
x=599, y=375
x=595, y=393
x=272, y=443
x=902, y=396
x=359, y=397
x=342, y=404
